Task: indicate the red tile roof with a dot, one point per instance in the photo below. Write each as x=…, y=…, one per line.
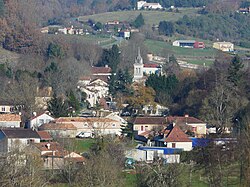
x=10, y=117
x=149, y=120
x=151, y=66
x=177, y=135
x=100, y=70
x=44, y=135
x=82, y=119
x=182, y=119
x=57, y=126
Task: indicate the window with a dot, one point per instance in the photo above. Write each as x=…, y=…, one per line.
x=141, y=128
x=173, y=145
x=85, y=124
x=113, y=125
x=3, y=109
x=41, y=121
x=146, y=128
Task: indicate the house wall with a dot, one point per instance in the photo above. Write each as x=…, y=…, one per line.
x=6, y=109
x=38, y=121
x=62, y=133
x=186, y=146
x=20, y=143
x=138, y=71
x=144, y=127
x=99, y=128
x=15, y=124
x=199, y=128
x=224, y=46
x=148, y=70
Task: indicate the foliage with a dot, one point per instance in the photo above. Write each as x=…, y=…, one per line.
x=139, y=21
x=235, y=71
x=166, y=28
x=110, y=57
x=120, y=82
x=57, y=106
x=212, y=26
x=158, y=174
x=73, y=101
x=55, y=51
x=163, y=86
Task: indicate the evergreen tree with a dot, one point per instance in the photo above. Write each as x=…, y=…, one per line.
x=57, y=107
x=73, y=101
x=127, y=130
x=234, y=70
x=139, y=21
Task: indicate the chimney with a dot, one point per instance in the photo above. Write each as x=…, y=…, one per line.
x=34, y=113
x=186, y=115
x=48, y=145
x=106, y=66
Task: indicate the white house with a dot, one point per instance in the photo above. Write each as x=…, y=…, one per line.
x=145, y=5
x=10, y=120
x=157, y=110
x=95, y=90
x=37, y=120
x=17, y=138
x=152, y=69
x=176, y=138
x=116, y=117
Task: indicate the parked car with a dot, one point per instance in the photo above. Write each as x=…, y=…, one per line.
x=85, y=135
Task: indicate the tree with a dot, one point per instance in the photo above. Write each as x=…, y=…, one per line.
x=166, y=28
x=158, y=174
x=73, y=101
x=57, y=106
x=139, y=21
x=235, y=71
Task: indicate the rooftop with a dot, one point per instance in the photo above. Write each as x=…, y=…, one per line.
x=149, y=120
x=20, y=133
x=177, y=135
x=10, y=117
x=83, y=119
x=44, y=135
x=100, y=70
x=57, y=126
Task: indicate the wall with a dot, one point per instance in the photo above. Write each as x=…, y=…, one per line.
x=186, y=146
x=10, y=124
x=37, y=123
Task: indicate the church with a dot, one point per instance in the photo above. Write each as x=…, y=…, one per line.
x=142, y=70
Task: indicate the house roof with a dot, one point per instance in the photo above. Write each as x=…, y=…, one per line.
x=44, y=135
x=98, y=70
x=34, y=117
x=10, y=117
x=177, y=135
x=57, y=126
x=51, y=146
x=185, y=41
x=183, y=120
x=151, y=66
x=150, y=120
x=82, y=119
x=20, y=133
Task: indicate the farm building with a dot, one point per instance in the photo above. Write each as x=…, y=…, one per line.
x=184, y=43
x=224, y=46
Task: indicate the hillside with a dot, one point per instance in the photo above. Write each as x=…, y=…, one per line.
x=150, y=17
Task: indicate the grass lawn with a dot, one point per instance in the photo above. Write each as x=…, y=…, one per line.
x=200, y=62
x=151, y=17
x=83, y=145
x=158, y=47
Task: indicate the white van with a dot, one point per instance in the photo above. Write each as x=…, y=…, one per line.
x=85, y=135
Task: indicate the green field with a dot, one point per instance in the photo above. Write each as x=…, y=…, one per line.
x=151, y=17
x=83, y=145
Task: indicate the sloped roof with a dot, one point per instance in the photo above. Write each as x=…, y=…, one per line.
x=44, y=135
x=34, y=117
x=98, y=70
x=177, y=135
x=82, y=119
x=20, y=133
x=10, y=117
x=57, y=126
x=149, y=120
x=183, y=119
x=151, y=66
